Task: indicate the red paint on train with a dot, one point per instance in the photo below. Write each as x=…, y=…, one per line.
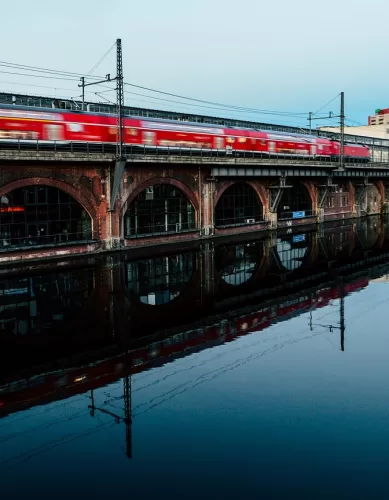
x=19, y=123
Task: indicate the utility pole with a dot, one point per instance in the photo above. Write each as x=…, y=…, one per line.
x=83, y=91
x=119, y=100
x=83, y=85
x=120, y=159
x=341, y=157
x=310, y=122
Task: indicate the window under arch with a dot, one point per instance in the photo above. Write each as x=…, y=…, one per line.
x=42, y=215
x=294, y=199
x=239, y=204
x=161, y=208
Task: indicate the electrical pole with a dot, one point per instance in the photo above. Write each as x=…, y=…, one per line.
x=120, y=159
x=83, y=85
x=83, y=91
x=119, y=100
x=310, y=122
x=341, y=157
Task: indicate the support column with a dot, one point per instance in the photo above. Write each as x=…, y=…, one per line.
x=112, y=240
x=272, y=218
x=207, y=208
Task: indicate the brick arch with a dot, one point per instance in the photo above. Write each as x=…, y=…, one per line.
x=259, y=192
x=85, y=201
x=160, y=180
x=381, y=190
x=312, y=193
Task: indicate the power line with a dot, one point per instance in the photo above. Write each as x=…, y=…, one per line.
x=228, y=106
x=325, y=105
x=101, y=60
x=39, y=76
x=37, y=69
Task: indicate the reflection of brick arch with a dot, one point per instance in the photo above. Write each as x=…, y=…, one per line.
x=160, y=180
x=83, y=198
x=176, y=308
x=308, y=259
x=226, y=185
x=259, y=272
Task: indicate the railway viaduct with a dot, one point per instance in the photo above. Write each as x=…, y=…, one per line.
x=66, y=202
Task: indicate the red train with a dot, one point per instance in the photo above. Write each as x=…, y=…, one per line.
x=20, y=123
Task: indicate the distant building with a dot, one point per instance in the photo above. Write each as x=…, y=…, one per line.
x=377, y=127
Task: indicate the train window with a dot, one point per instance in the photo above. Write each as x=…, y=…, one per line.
x=218, y=141
x=75, y=127
x=149, y=137
x=54, y=132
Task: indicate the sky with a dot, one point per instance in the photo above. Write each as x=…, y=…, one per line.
x=283, y=56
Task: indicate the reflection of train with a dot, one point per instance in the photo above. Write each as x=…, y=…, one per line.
x=44, y=388
x=45, y=124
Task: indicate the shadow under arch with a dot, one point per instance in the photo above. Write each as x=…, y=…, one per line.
x=83, y=198
x=297, y=198
x=157, y=206
x=238, y=203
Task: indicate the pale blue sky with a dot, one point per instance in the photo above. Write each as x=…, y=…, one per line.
x=276, y=55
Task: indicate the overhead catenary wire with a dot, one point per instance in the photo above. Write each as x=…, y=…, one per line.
x=100, y=60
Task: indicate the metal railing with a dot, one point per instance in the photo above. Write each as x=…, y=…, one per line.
x=137, y=153
x=10, y=243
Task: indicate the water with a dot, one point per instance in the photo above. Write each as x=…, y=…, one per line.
x=251, y=369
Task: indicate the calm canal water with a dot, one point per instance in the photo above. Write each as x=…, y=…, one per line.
x=253, y=369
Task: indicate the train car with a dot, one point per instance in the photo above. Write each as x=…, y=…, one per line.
x=25, y=124
x=352, y=152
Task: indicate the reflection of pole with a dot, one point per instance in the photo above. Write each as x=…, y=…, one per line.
x=127, y=396
x=92, y=406
x=127, y=414
x=342, y=322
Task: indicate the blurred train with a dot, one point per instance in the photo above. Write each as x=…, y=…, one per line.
x=24, y=124
x=45, y=388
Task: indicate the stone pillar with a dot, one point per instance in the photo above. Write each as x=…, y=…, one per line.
x=320, y=215
x=207, y=208
x=272, y=219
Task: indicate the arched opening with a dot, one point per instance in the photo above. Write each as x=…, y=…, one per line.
x=162, y=279
x=161, y=208
x=42, y=215
x=239, y=204
x=295, y=202
x=237, y=264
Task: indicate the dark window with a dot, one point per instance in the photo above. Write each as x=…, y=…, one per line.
x=294, y=199
x=159, y=209
x=41, y=215
x=239, y=204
